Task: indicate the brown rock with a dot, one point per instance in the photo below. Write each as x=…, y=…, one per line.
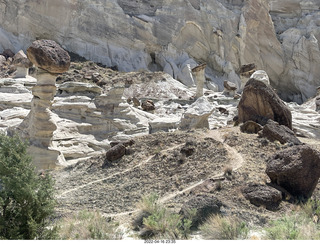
x=259, y=103
x=205, y=206
x=250, y=127
x=8, y=53
x=148, y=105
x=116, y=152
x=262, y=195
x=296, y=169
x=48, y=55
x=275, y=132
x=2, y=59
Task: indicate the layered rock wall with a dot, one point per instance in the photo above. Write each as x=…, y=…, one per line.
x=280, y=37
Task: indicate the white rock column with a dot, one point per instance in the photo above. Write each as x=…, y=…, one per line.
x=199, y=75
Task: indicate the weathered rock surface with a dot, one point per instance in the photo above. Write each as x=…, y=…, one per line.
x=205, y=206
x=250, y=127
x=150, y=35
x=262, y=195
x=259, y=103
x=48, y=55
x=196, y=116
x=275, y=132
x=296, y=169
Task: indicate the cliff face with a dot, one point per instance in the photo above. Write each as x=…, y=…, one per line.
x=280, y=37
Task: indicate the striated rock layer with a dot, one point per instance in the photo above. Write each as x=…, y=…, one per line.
x=280, y=37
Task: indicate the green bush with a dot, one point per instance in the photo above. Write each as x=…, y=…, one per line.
x=299, y=225
x=223, y=228
x=26, y=198
x=88, y=225
x=159, y=222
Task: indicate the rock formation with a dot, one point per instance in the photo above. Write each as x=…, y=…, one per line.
x=230, y=88
x=280, y=37
x=296, y=169
x=196, y=116
x=259, y=103
x=199, y=75
x=39, y=125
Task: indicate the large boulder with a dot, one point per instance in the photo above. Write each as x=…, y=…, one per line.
x=48, y=55
x=203, y=205
x=262, y=195
x=259, y=102
x=275, y=132
x=296, y=169
x=196, y=116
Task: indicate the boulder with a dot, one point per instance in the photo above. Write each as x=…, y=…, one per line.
x=196, y=116
x=250, y=127
x=116, y=152
x=275, y=132
x=296, y=169
x=48, y=55
x=204, y=205
x=148, y=105
x=259, y=102
x=262, y=195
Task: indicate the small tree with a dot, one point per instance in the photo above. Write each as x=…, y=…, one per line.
x=26, y=198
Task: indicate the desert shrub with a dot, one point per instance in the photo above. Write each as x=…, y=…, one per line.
x=26, y=197
x=299, y=225
x=88, y=225
x=223, y=228
x=158, y=222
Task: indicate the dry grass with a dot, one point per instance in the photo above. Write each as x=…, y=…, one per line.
x=223, y=228
x=86, y=225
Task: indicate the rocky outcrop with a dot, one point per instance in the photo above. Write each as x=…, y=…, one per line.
x=275, y=132
x=177, y=35
x=259, y=103
x=196, y=116
x=39, y=125
x=296, y=169
x=262, y=195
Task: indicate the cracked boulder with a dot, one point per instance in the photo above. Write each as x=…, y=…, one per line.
x=296, y=169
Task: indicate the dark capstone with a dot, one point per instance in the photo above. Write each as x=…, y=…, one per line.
x=48, y=55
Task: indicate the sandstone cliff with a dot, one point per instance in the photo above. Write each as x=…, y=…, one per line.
x=280, y=37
